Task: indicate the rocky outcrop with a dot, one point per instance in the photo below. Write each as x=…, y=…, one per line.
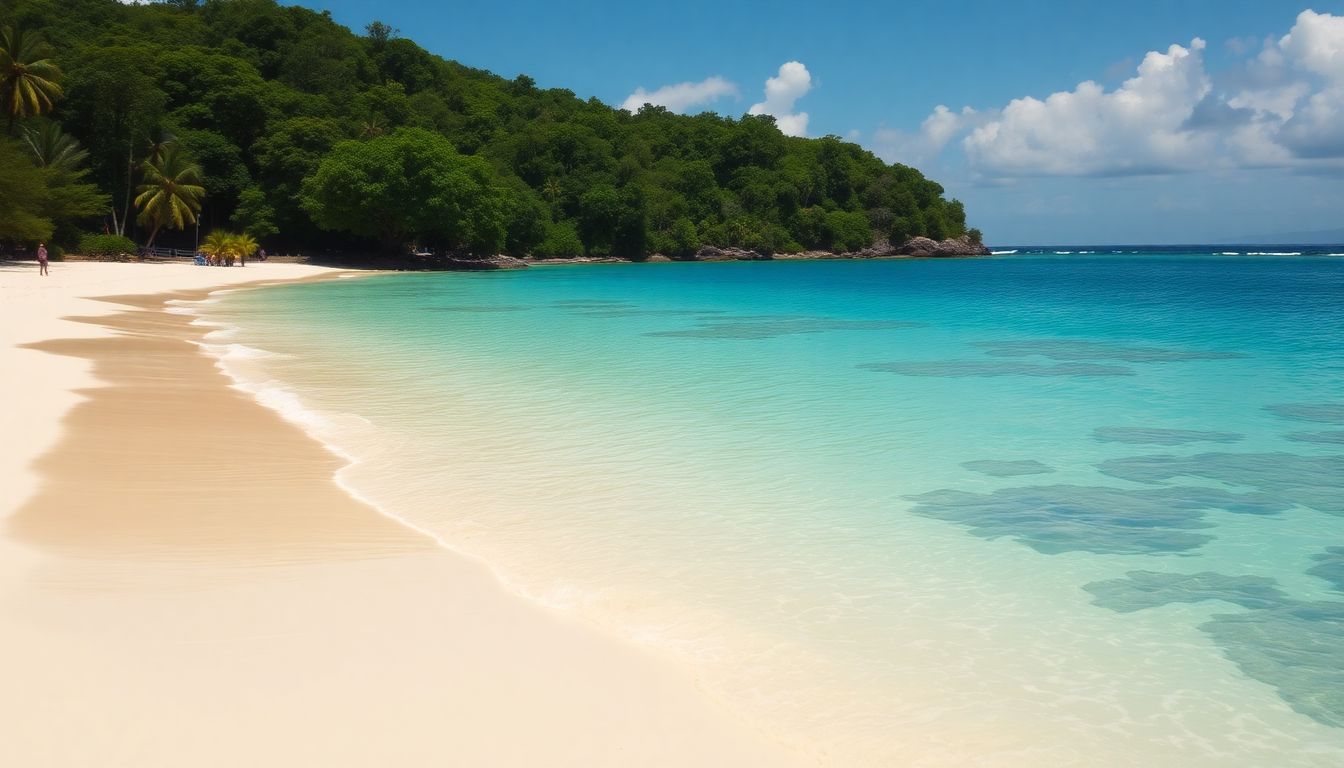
x=498, y=261
x=960, y=246
x=915, y=247
x=715, y=253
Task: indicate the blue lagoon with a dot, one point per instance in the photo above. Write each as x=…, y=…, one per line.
x=1042, y=509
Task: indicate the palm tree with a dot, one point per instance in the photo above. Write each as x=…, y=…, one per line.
x=372, y=128
x=217, y=246
x=171, y=193
x=55, y=149
x=29, y=79
x=157, y=143
x=552, y=191
x=243, y=245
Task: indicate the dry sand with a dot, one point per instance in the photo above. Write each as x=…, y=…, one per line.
x=183, y=584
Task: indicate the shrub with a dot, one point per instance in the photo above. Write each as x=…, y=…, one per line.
x=562, y=242
x=107, y=247
x=848, y=231
x=975, y=235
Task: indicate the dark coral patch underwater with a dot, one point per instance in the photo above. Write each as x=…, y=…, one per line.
x=1321, y=413
x=756, y=328
x=1316, y=482
x=961, y=368
x=1065, y=518
x=1330, y=566
x=1158, y=436
x=1296, y=646
x=1332, y=437
x=1007, y=468
x=1071, y=350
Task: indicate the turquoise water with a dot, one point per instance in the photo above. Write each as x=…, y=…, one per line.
x=1031, y=510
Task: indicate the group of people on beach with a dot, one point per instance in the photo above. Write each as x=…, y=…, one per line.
x=222, y=259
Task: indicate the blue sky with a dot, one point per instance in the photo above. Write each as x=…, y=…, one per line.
x=1239, y=129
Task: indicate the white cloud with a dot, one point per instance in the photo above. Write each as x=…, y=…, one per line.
x=681, y=96
x=1316, y=44
x=781, y=93
x=928, y=142
x=1281, y=108
x=1137, y=128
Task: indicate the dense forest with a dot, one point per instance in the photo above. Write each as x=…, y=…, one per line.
x=276, y=121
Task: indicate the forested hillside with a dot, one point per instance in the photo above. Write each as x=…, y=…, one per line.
x=309, y=136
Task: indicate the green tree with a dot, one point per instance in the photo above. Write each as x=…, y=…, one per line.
x=562, y=241
x=599, y=215
x=683, y=240
x=29, y=78
x=848, y=231
x=526, y=218
x=113, y=103
x=217, y=246
x=70, y=199
x=171, y=193
x=409, y=186
x=23, y=197
x=53, y=148
x=254, y=215
x=243, y=245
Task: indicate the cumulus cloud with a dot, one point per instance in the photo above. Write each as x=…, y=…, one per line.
x=781, y=94
x=1316, y=44
x=1283, y=107
x=928, y=142
x=1137, y=128
x=681, y=96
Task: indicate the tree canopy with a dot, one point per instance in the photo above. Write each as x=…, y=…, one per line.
x=313, y=136
x=410, y=185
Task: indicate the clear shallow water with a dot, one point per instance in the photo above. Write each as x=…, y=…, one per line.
x=1035, y=510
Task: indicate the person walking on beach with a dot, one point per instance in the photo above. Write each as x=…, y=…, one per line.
x=42, y=258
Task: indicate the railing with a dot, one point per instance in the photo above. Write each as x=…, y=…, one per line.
x=168, y=253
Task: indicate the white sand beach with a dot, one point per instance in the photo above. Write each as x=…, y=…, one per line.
x=183, y=584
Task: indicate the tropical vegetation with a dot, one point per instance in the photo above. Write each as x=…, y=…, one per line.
x=171, y=193
x=107, y=247
x=278, y=122
x=222, y=248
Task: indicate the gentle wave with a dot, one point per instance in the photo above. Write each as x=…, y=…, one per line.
x=1274, y=253
x=1003, y=253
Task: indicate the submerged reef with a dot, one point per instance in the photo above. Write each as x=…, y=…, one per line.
x=1159, y=436
x=1064, y=518
x=1297, y=646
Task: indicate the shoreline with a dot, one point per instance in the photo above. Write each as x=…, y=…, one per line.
x=174, y=599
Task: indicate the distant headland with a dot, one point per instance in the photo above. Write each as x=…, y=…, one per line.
x=164, y=123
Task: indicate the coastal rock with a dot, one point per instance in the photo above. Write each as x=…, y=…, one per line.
x=961, y=246
x=715, y=253
x=918, y=246
x=879, y=250
x=958, y=246
x=498, y=261
x=576, y=260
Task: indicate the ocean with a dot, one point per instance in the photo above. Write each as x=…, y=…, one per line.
x=1064, y=506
